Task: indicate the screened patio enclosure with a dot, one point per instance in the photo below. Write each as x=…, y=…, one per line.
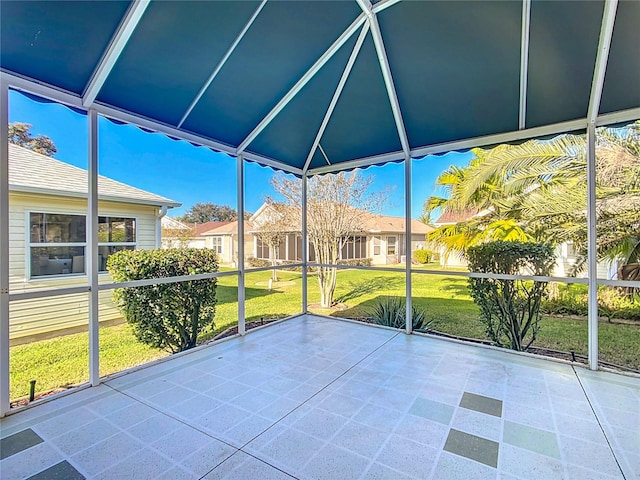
x=313, y=87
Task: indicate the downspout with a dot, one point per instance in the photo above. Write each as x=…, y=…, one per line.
x=163, y=211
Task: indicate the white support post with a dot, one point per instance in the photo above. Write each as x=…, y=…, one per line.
x=592, y=246
x=92, y=251
x=524, y=62
x=305, y=245
x=407, y=240
x=241, y=292
x=4, y=250
x=604, y=44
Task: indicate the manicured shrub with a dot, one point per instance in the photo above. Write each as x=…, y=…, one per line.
x=258, y=262
x=422, y=256
x=510, y=309
x=392, y=312
x=171, y=315
x=356, y=262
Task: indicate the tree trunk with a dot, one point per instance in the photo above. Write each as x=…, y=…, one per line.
x=274, y=272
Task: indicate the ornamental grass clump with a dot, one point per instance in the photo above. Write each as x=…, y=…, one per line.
x=170, y=316
x=509, y=308
x=392, y=312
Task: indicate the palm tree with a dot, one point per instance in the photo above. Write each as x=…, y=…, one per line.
x=538, y=191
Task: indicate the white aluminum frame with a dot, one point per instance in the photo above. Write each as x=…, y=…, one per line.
x=336, y=95
x=309, y=74
x=524, y=63
x=241, y=269
x=367, y=20
x=92, y=250
x=604, y=44
x=221, y=64
x=116, y=46
x=4, y=248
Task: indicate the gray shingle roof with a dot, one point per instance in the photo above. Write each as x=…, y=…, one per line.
x=32, y=172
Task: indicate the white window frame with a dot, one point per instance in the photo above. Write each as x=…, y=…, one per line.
x=29, y=244
x=377, y=244
x=394, y=244
x=217, y=244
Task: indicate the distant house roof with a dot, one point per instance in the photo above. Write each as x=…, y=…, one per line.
x=204, y=228
x=388, y=224
x=228, y=228
x=371, y=223
x=450, y=217
x=36, y=173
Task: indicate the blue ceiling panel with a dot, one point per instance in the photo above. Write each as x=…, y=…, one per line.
x=287, y=38
x=171, y=54
x=455, y=67
x=290, y=135
x=362, y=123
x=622, y=81
x=318, y=160
x=59, y=43
x=562, y=56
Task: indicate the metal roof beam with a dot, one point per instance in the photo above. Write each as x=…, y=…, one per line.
x=514, y=136
x=189, y=137
x=65, y=98
x=524, y=63
x=315, y=68
x=221, y=64
x=366, y=7
x=336, y=94
x=116, y=46
x=324, y=154
x=382, y=5
x=604, y=44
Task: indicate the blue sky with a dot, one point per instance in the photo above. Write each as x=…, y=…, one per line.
x=189, y=174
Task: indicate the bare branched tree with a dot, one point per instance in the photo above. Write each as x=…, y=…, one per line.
x=337, y=205
x=272, y=227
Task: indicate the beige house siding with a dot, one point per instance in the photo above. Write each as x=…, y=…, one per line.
x=37, y=316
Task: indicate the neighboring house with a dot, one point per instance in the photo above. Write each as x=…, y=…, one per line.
x=381, y=240
x=224, y=240
x=451, y=259
x=176, y=234
x=565, y=252
x=48, y=238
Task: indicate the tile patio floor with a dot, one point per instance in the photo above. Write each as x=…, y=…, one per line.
x=319, y=398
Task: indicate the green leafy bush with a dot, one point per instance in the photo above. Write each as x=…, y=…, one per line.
x=613, y=303
x=356, y=262
x=422, y=256
x=392, y=312
x=170, y=315
x=258, y=262
x=510, y=309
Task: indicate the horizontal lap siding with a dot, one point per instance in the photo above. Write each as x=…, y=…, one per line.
x=43, y=315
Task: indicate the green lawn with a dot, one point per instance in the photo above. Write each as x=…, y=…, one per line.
x=64, y=360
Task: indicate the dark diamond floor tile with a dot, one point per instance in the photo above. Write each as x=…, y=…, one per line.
x=18, y=442
x=473, y=447
x=482, y=404
x=60, y=471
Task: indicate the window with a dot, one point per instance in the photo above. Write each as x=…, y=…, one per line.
x=354, y=247
x=216, y=244
x=391, y=245
x=376, y=245
x=262, y=249
x=58, y=242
